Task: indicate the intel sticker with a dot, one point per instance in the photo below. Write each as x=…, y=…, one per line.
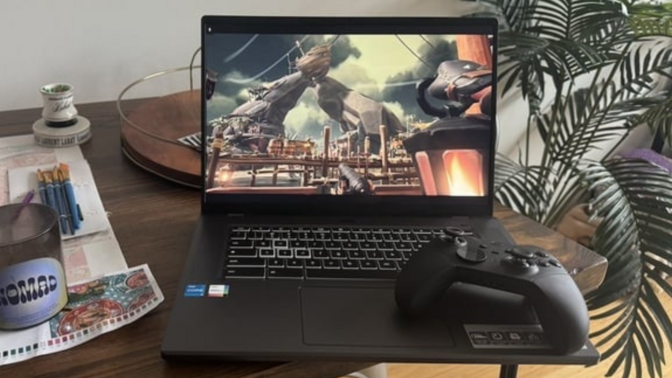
x=194, y=291
x=218, y=291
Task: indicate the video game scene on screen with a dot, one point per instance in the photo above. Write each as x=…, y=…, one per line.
x=348, y=114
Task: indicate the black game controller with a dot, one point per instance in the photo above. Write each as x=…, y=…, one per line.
x=524, y=270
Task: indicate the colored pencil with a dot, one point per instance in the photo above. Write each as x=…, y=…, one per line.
x=75, y=212
x=53, y=201
x=61, y=199
x=41, y=188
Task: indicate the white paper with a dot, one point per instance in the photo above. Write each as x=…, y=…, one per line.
x=24, y=179
x=21, y=151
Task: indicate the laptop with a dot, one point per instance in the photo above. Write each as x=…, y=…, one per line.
x=332, y=150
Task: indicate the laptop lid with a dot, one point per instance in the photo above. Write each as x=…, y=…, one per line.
x=348, y=116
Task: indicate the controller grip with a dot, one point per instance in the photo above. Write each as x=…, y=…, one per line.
x=424, y=279
x=562, y=312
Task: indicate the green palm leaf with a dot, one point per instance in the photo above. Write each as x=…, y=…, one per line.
x=660, y=118
x=635, y=266
x=650, y=20
x=519, y=187
x=554, y=38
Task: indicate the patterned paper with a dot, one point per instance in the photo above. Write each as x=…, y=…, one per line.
x=94, y=308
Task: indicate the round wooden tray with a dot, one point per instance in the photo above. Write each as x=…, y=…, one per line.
x=150, y=131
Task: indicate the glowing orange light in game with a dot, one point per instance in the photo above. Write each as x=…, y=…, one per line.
x=464, y=172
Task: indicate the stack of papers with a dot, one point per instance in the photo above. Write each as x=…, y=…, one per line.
x=91, y=258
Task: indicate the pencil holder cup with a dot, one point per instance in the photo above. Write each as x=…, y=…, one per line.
x=59, y=106
x=32, y=280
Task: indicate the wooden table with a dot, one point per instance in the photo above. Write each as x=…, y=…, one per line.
x=153, y=220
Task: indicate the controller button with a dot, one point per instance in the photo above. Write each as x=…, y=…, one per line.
x=483, y=246
x=541, y=254
x=521, y=263
x=520, y=253
x=554, y=263
x=544, y=264
x=517, y=262
x=472, y=255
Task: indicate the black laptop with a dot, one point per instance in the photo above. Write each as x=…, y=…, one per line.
x=333, y=149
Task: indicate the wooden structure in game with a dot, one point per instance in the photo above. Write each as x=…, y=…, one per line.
x=393, y=175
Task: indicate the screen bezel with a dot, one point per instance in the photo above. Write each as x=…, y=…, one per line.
x=349, y=205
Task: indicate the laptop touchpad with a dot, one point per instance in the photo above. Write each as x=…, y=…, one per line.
x=355, y=316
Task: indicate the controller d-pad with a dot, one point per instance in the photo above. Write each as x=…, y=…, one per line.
x=519, y=253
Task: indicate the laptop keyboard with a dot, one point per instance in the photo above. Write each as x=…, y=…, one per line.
x=259, y=252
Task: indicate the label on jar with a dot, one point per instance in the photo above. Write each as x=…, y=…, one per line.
x=31, y=292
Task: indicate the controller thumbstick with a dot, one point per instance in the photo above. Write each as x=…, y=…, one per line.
x=520, y=253
x=453, y=231
x=473, y=255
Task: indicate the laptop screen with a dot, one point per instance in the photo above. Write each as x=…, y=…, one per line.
x=357, y=109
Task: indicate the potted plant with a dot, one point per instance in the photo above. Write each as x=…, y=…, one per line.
x=591, y=71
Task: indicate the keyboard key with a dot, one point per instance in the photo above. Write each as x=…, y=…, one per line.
x=424, y=238
x=385, y=246
x=285, y=273
x=374, y=255
x=320, y=253
x=374, y=237
x=391, y=238
x=331, y=245
x=350, y=245
x=367, y=246
x=387, y=265
x=238, y=235
x=293, y=264
x=237, y=252
x=403, y=246
x=340, y=236
x=407, y=237
x=280, y=244
x=245, y=262
x=313, y=264
x=393, y=255
x=276, y=263
x=263, y=243
x=284, y=253
x=315, y=244
x=339, y=255
x=357, y=237
x=356, y=255
x=368, y=265
x=351, y=274
x=349, y=265
x=422, y=231
x=266, y=253
x=240, y=229
x=301, y=253
x=241, y=244
x=331, y=264
x=322, y=235
x=256, y=235
x=244, y=273
x=297, y=244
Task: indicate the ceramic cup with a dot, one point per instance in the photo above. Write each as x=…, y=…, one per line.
x=32, y=280
x=58, y=103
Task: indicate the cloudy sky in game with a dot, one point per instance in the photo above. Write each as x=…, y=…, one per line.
x=383, y=67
